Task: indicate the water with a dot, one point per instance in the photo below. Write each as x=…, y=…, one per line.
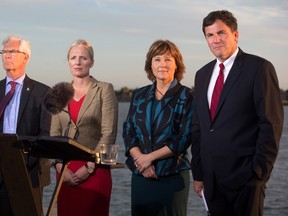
x=276, y=201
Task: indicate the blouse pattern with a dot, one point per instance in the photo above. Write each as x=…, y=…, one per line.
x=169, y=126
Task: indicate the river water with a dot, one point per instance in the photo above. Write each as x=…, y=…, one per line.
x=276, y=201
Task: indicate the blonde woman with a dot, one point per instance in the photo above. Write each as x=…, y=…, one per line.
x=94, y=111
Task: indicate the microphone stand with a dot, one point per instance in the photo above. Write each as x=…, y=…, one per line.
x=68, y=125
x=57, y=189
x=61, y=174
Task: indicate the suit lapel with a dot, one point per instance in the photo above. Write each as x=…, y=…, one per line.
x=204, y=92
x=147, y=114
x=26, y=91
x=2, y=94
x=88, y=100
x=231, y=79
x=2, y=88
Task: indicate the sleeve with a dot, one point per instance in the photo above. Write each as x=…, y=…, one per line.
x=56, y=128
x=45, y=119
x=269, y=108
x=109, y=115
x=129, y=133
x=179, y=140
x=196, y=165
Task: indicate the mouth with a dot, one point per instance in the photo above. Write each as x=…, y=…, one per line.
x=218, y=47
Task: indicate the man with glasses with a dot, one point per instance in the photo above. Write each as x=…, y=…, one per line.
x=23, y=115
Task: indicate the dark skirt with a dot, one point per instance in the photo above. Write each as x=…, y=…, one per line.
x=166, y=196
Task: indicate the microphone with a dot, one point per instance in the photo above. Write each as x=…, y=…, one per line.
x=57, y=99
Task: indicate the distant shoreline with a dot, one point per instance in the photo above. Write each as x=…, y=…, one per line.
x=127, y=98
x=125, y=94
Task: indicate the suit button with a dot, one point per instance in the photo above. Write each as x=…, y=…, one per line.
x=211, y=130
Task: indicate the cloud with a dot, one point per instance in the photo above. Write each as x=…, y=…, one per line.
x=122, y=30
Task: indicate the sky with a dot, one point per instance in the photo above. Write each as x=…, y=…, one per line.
x=121, y=32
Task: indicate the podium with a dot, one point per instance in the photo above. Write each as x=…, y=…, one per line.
x=63, y=148
x=14, y=173
x=13, y=150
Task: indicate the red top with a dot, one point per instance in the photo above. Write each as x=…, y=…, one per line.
x=74, y=108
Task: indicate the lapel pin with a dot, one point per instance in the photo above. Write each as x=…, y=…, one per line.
x=28, y=89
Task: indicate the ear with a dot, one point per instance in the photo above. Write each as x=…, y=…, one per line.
x=26, y=58
x=92, y=64
x=236, y=35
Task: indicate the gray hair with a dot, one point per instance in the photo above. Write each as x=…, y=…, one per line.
x=24, y=46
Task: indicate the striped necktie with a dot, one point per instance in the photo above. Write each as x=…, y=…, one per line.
x=7, y=98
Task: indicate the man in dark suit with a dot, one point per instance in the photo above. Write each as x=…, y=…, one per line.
x=24, y=114
x=233, y=153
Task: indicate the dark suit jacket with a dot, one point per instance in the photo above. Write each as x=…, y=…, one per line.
x=243, y=140
x=33, y=120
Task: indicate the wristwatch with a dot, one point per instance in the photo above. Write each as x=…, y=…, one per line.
x=89, y=169
x=55, y=162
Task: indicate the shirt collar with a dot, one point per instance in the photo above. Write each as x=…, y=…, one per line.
x=229, y=62
x=20, y=80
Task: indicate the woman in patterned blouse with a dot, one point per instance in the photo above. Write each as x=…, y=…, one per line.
x=157, y=135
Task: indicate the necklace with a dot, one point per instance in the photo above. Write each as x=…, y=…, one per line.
x=159, y=92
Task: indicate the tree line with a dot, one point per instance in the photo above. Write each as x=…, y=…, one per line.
x=124, y=95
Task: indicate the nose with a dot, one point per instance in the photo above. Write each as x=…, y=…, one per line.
x=77, y=61
x=216, y=38
x=162, y=62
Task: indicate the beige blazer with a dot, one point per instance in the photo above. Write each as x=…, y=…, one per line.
x=97, y=118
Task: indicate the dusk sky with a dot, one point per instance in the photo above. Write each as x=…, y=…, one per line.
x=121, y=32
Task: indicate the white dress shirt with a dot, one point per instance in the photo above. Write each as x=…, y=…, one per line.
x=227, y=67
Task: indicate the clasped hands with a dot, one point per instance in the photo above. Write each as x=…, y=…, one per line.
x=144, y=164
x=74, y=178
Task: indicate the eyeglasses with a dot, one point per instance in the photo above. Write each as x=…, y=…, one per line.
x=11, y=52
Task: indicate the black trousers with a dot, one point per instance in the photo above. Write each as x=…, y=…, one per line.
x=246, y=201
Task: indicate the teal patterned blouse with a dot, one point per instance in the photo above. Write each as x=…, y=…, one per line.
x=152, y=124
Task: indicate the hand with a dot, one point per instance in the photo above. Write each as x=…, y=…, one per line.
x=67, y=175
x=81, y=175
x=198, y=187
x=143, y=161
x=91, y=164
x=58, y=167
x=68, y=178
x=149, y=172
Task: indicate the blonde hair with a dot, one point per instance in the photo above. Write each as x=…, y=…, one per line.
x=85, y=44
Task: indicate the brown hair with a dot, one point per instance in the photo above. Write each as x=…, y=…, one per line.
x=160, y=47
x=223, y=15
